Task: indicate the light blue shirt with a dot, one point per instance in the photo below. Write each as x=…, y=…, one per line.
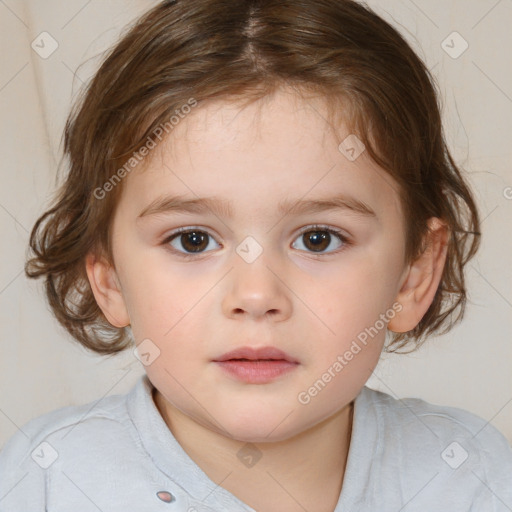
x=405, y=455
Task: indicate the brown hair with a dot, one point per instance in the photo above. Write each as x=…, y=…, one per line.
x=227, y=49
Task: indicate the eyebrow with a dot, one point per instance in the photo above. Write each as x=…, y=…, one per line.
x=223, y=208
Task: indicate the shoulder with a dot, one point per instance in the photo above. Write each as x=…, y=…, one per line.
x=60, y=422
x=455, y=447
x=60, y=434
x=418, y=417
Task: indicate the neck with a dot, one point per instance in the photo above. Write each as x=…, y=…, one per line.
x=303, y=472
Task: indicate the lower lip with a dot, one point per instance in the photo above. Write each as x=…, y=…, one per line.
x=257, y=372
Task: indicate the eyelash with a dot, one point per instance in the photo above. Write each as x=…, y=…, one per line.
x=315, y=227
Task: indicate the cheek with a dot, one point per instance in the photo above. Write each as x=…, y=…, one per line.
x=156, y=299
x=354, y=293
x=355, y=304
x=158, y=287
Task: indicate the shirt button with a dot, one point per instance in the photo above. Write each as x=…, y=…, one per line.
x=165, y=496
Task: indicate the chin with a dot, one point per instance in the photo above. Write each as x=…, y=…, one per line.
x=260, y=428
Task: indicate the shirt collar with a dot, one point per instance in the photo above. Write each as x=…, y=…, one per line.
x=168, y=455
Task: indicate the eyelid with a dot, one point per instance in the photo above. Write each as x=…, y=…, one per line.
x=326, y=227
x=187, y=229
x=304, y=229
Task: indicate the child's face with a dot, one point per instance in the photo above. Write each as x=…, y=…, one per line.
x=311, y=305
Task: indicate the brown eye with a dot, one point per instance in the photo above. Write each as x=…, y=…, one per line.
x=192, y=241
x=318, y=239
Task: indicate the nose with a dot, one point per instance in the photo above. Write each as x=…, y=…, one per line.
x=257, y=290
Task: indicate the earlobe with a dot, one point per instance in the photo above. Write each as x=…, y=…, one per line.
x=422, y=278
x=107, y=290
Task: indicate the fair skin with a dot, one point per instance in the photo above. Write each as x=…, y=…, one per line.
x=311, y=305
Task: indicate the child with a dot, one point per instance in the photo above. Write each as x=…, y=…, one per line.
x=258, y=193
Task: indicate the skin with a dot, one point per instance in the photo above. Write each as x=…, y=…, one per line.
x=308, y=305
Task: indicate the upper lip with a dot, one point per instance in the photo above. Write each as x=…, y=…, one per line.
x=255, y=354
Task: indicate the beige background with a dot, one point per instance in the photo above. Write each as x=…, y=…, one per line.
x=41, y=369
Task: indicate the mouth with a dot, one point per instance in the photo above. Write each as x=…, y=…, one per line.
x=256, y=366
x=256, y=354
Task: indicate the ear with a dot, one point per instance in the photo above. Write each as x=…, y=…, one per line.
x=422, y=278
x=107, y=290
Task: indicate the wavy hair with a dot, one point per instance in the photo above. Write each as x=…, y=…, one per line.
x=227, y=49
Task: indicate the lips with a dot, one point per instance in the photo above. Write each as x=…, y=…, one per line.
x=256, y=354
x=256, y=365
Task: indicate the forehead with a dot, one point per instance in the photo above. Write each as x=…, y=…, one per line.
x=255, y=156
